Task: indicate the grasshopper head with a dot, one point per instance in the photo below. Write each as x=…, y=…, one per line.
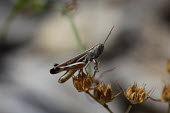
x=98, y=50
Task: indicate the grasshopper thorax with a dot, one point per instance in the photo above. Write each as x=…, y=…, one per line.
x=95, y=52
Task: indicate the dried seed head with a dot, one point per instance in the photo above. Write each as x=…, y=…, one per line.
x=103, y=94
x=166, y=93
x=71, y=5
x=168, y=66
x=131, y=90
x=83, y=82
x=136, y=95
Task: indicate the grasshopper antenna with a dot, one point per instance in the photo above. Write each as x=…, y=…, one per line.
x=108, y=35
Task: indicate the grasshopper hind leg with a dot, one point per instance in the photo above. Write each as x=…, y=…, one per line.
x=96, y=65
x=66, y=76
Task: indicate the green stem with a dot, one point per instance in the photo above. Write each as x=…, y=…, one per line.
x=75, y=31
x=76, y=35
x=74, y=28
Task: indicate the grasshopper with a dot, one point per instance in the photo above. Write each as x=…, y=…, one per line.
x=79, y=62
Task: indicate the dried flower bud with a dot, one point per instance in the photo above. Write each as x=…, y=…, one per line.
x=168, y=66
x=136, y=95
x=166, y=93
x=83, y=82
x=71, y=5
x=103, y=94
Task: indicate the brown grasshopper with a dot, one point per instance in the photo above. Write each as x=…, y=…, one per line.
x=79, y=62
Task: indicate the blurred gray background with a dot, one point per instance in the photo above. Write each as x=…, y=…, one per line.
x=138, y=48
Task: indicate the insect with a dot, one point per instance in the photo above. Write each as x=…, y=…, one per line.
x=79, y=62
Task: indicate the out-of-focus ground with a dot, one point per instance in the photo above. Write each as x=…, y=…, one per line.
x=138, y=47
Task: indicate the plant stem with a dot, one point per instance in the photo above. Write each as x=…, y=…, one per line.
x=74, y=28
x=76, y=35
x=104, y=105
x=129, y=108
x=169, y=107
x=75, y=31
x=158, y=100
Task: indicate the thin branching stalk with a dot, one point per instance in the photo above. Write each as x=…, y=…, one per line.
x=104, y=105
x=129, y=108
x=158, y=100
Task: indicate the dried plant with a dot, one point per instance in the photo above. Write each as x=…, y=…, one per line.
x=104, y=94
x=168, y=66
x=136, y=95
x=71, y=5
x=166, y=93
x=165, y=97
x=83, y=82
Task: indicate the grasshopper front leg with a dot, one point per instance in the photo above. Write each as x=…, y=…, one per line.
x=96, y=65
x=95, y=68
x=87, y=66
